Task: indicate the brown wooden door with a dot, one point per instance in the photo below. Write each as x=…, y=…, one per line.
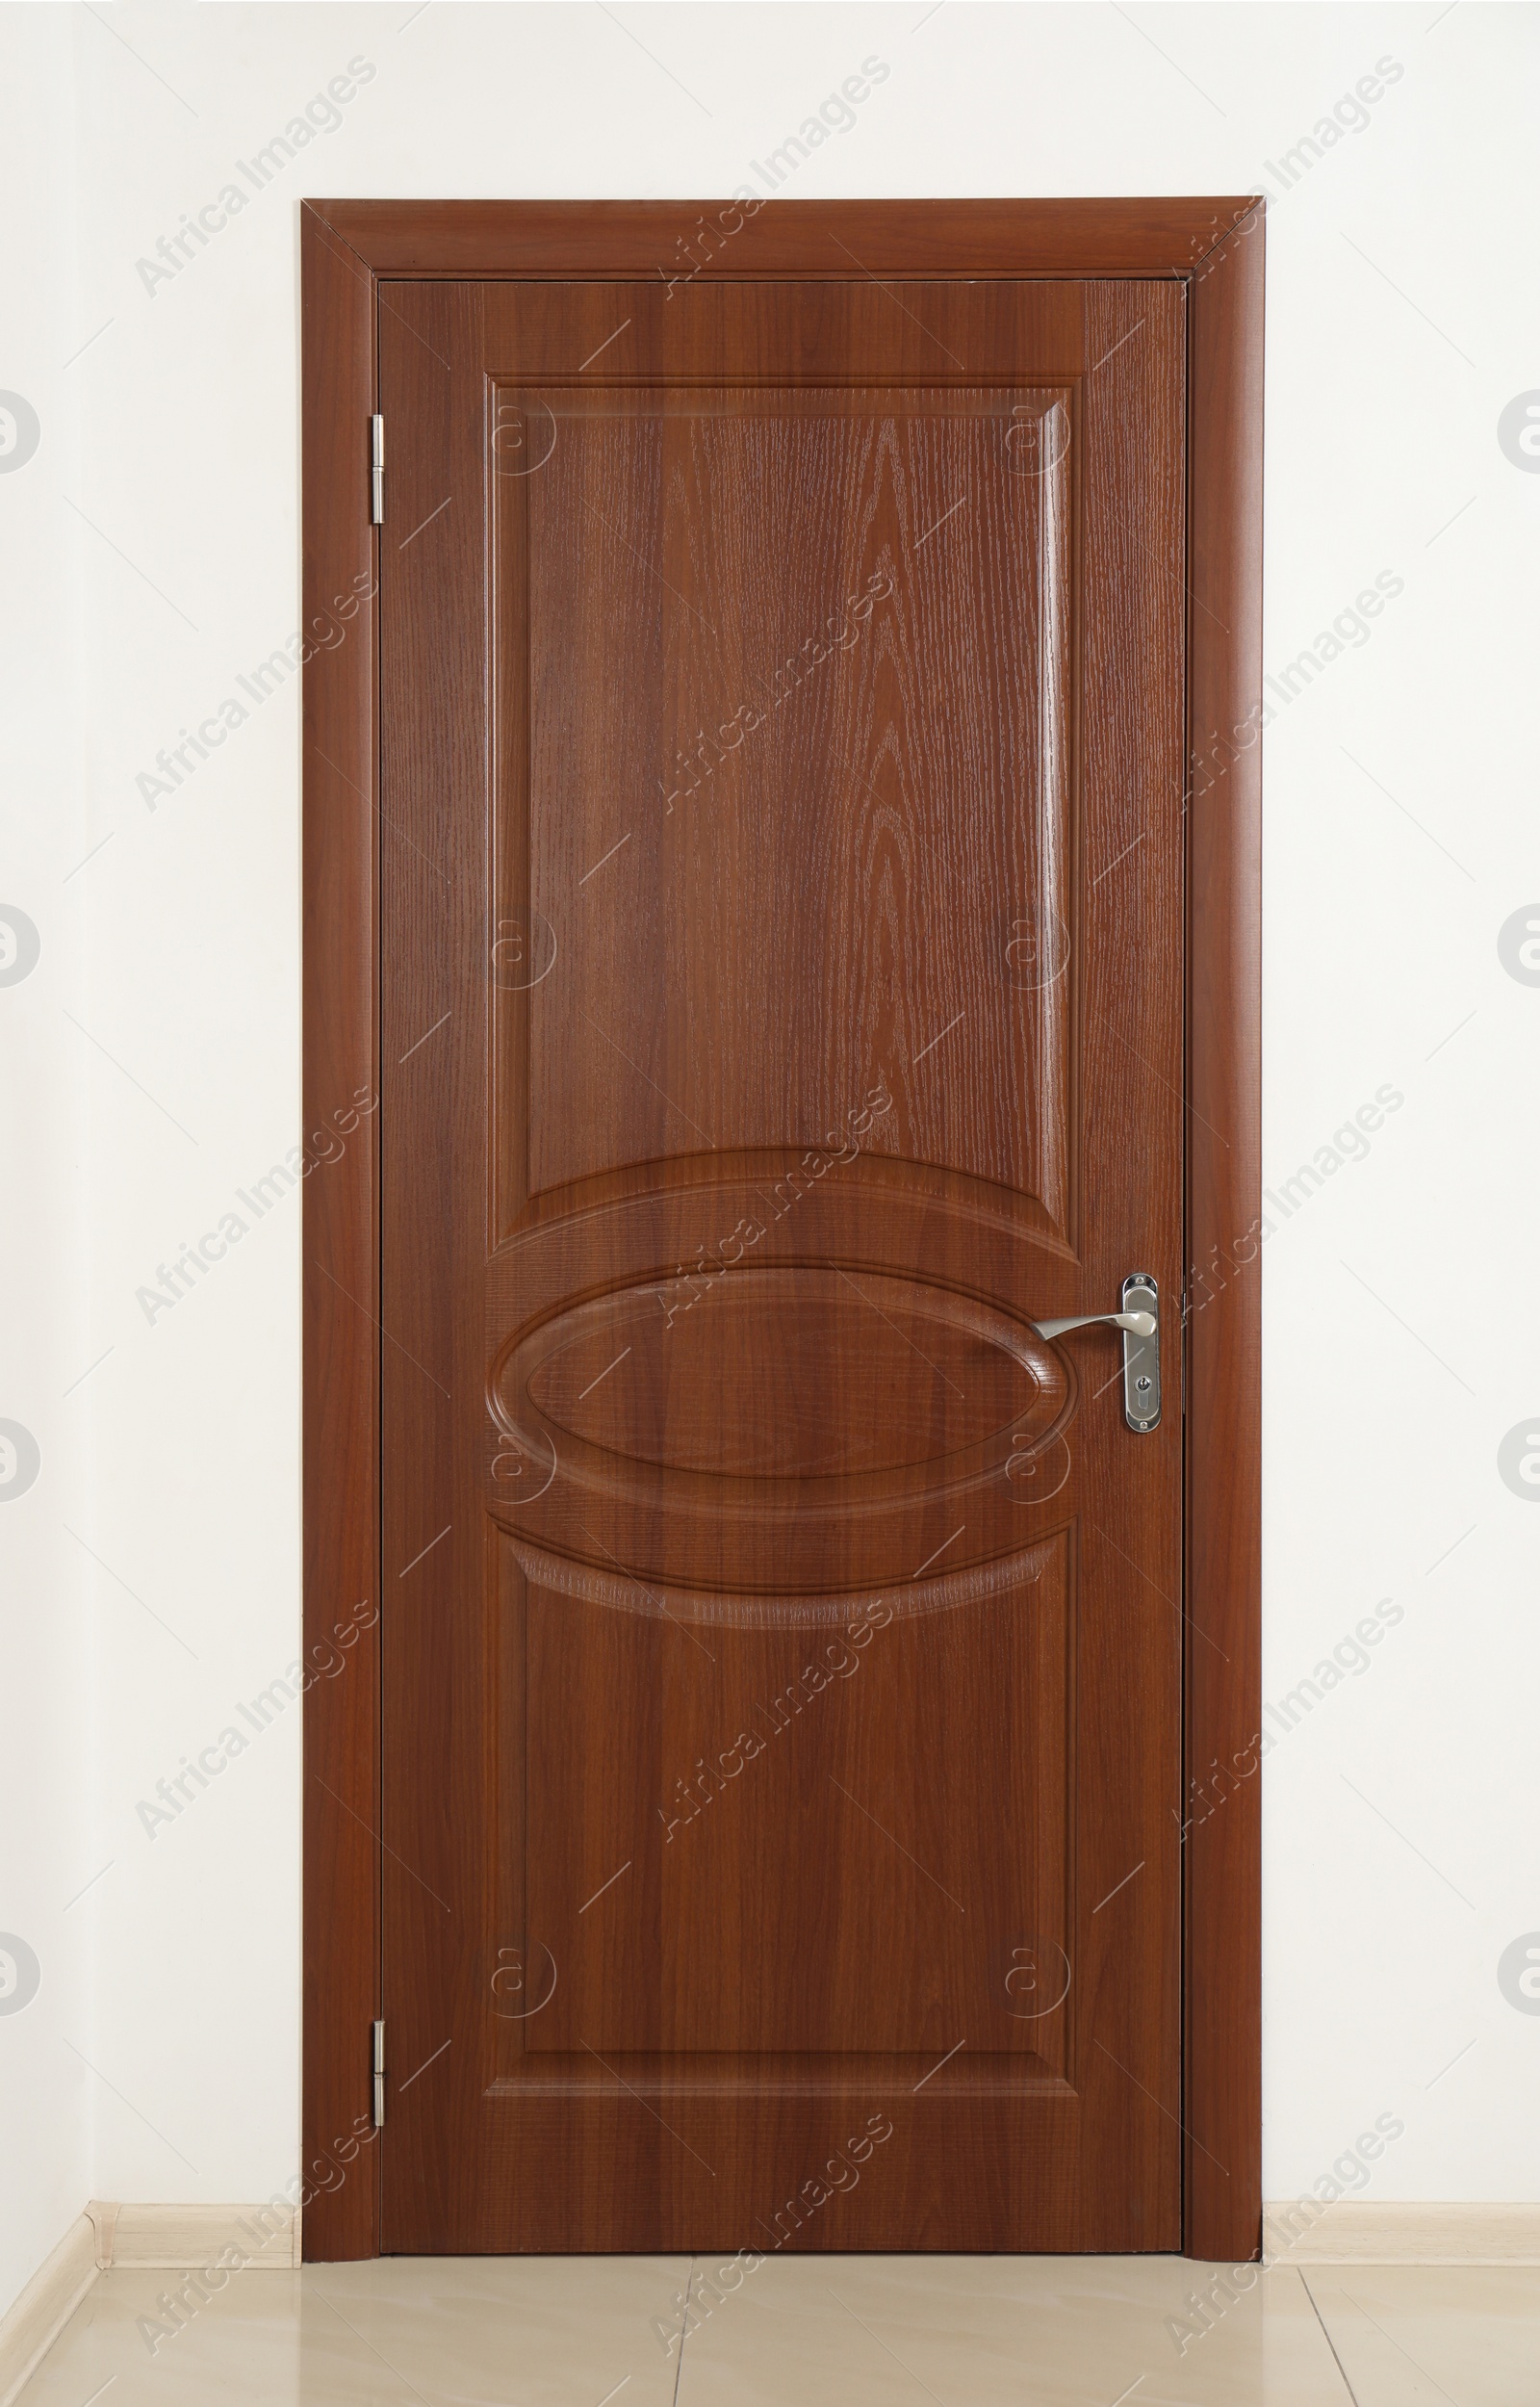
x=782, y=702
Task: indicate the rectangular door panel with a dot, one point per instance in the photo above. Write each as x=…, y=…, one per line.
x=782, y=900
x=766, y=1755
x=806, y=761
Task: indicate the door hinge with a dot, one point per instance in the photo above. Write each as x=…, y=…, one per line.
x=379, y=2059
x=376, y=471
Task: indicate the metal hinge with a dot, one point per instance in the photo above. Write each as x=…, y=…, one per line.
x=376, y=472
x=379, y=2043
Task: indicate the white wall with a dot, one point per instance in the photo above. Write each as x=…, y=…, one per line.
x=50, y=1835
x=1400, y=321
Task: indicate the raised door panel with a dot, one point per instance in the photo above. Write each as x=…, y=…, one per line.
x=834, y=636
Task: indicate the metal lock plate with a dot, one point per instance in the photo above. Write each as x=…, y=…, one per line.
x=1141, y=1356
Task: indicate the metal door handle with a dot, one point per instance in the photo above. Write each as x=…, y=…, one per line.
x=1140, y=1325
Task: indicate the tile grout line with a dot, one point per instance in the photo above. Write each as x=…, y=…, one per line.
x=1326, y=2335
x=684, y=2329
x=1396, y=2344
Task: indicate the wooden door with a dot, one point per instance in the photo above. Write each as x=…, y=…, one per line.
x=782, y=754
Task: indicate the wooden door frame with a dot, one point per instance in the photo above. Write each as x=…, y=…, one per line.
x=350, y=251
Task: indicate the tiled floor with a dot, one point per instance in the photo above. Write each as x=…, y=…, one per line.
x=805, y=2332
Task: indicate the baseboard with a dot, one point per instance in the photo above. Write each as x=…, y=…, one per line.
x=178, y=2240
x=174, y=2240
x=28, y=2329
x=1357, y=2232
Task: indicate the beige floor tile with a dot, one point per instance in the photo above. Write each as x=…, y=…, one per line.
x=241, y=2347
x=806, y=2332
x=510, y=2332
x=528, y=2331
x=1411, y=2335
x=973, y=2330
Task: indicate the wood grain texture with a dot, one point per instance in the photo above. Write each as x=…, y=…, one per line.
x=1048, y=239
x=1165, y=236
x=738, y=715
x=1223, y=1912
x=606, y=1551
x=341, y=1249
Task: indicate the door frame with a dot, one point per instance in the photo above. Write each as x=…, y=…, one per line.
x=350, y=251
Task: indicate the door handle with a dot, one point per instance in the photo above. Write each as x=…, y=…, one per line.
x=1140, y=1325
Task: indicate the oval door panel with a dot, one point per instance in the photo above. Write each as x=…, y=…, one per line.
x=754, y=1421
